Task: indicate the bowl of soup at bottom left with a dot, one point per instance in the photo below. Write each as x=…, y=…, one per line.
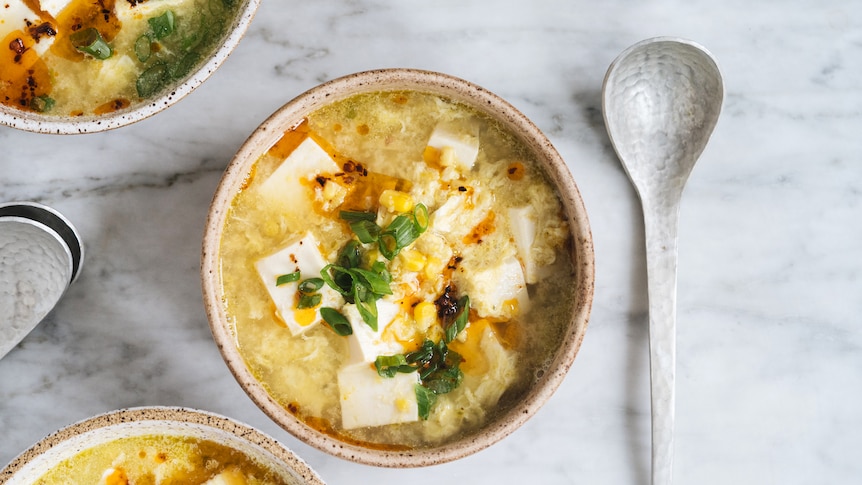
x=158, y=445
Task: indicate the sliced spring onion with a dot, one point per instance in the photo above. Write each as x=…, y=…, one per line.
x=308, y=301
x=184, y=65
x=196, y=36
x=163, y=25
x=144, y=47
x=399, y=234
x=423, y=355
x=152, y=80
x=366, y=231
x=425, y=399
x=311, y=285
x=90, y=42
x=338, y=322
x=389, y=365
x=460, y=322
x=350, y=256
x=338, y=278
x=388, y=245
x=287, y=278
x=352, y=216
x=373, y=281
x=444, y=380
x=420, y=217
x=42, y=103
x=367, y=305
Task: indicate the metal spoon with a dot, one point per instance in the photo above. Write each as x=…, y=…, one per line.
x=40, y=256
x=661, y=99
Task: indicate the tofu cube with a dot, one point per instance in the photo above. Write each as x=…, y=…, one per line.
x=522, y=221
x=54, y=7
x=303, y=256
x=496, y=292
x=370, y=400
x=287, y=184
x=366, y=344
x=461, y=138
x=16, y=15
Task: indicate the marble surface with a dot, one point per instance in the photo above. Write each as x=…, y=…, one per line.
x=769, y=376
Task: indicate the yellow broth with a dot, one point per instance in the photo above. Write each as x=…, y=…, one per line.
x=379, y=141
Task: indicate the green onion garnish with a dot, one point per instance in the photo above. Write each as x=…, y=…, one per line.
x=144, y=47
x=338, y=322
x=41, y=104
x=366, y=231
x=309, y=301
x=287, y=278
x=184, y=65
x=311, y=285
x=163, y=25
x=366, y=303
x=152, y=80
x=389, y=365
x=425, y=399
x=351, y=216
x=420, y=217
x=373, y=281
x=90, y=41
x=460, y=322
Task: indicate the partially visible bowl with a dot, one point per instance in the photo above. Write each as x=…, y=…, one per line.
x=77, y=438
x=400, y=87
x=81, y=69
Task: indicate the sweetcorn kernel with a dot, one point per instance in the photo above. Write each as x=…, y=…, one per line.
x=447, y=156
x=431, y=156
x=412, y=260
x=433, y=267
x=396, y=201
x=425, y=314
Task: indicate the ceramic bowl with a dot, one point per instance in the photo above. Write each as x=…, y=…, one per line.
x=458, y=90
x=90, y=123
x=146, y=421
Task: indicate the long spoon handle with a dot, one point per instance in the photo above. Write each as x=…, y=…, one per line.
x=661, y=224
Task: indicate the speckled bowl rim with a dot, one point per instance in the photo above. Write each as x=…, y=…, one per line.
x=458, y=90
x=73, y=125
x=71, y=439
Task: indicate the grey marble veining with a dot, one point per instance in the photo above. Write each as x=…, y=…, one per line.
x=769, y=360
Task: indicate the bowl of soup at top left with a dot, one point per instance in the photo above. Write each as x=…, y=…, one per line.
x=73, y=66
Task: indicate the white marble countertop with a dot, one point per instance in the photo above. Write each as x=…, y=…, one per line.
x=769, y=382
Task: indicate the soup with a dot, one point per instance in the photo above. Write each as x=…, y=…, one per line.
x=161, y=460
x=86, y=57
x=393, y=270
